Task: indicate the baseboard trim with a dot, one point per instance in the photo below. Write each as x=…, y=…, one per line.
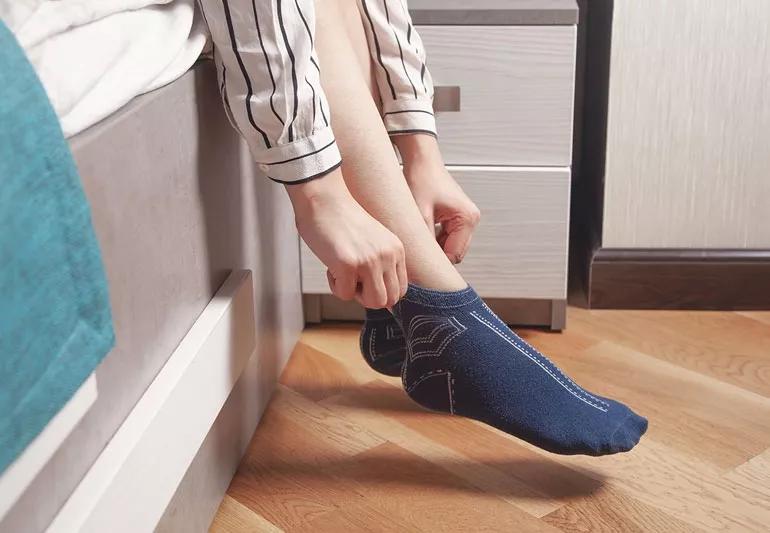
x=708, y=279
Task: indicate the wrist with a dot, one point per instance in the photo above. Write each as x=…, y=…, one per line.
x=418, y=148
x=312, y=195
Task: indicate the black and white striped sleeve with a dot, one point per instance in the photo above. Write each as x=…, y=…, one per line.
x=270, y=84
x=404, y=83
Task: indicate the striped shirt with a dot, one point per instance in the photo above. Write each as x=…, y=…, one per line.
x=269, y=76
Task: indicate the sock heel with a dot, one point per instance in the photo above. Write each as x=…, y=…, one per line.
x=432, y=390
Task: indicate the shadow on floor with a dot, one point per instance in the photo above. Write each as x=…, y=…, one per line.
x=389, y=466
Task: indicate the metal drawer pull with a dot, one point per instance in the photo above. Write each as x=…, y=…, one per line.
x=446, y=98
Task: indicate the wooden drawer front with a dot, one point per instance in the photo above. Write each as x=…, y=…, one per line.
x=516, y=92
x=520, y=247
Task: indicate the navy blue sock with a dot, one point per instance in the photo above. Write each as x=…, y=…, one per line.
x=382, y=342
x=462, y=359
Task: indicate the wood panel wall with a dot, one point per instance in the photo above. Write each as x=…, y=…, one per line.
x=688, y=135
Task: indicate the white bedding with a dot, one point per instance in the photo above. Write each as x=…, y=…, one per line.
x=94, y=56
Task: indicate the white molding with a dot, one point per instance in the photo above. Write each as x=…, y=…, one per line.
x=135, y=477
x=23, y=470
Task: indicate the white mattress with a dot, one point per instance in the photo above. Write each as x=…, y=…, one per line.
x=94, y=56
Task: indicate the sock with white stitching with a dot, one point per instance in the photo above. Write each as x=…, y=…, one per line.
x=462, y=359
x=382, y=342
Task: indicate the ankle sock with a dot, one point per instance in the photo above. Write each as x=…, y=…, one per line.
x=382, y=342
x=462, y=359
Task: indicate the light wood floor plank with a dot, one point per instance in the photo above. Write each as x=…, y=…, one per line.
x=761, y=316
x=232, y=517
x=323, y=425
x=317, y=375
x=272, y=482
x=724, y=345
x=753, y=477
x=611, y=511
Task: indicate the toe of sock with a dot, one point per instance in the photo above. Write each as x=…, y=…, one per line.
x=626, y=435
x=640, y=423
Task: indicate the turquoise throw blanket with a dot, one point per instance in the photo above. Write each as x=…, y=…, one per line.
x=55, y=323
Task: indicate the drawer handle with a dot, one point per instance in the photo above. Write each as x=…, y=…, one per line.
x=446, y=98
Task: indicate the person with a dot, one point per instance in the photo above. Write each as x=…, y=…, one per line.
x=322, y=91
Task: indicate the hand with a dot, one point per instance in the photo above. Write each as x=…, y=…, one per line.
x=437, y=194
x=365, y=260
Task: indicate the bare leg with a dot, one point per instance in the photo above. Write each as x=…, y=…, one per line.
x=370, y=168
x=460, y=357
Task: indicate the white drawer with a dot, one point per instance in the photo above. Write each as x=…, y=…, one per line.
x=520, y=247
x=516, y=92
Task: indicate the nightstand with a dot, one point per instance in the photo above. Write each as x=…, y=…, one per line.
x=504, y=75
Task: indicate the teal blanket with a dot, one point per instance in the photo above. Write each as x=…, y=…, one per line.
x=55, y=323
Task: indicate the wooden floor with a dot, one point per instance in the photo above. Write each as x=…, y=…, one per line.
x=343, y=449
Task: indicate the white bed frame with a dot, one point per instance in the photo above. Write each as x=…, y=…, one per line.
x=136, y=476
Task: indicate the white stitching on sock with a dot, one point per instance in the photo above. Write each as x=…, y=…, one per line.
x=432, y=306
x=535, y=360
x=441, y=347
x=545, y=360
x=419, y=320
x=386, y=354
x=566, y=377
x=372, y=349
x=436, y=372
x=453, y=323
x=403, y=373
x=393, y=333
x=538, y=362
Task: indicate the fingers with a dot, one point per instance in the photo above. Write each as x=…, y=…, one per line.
x=455, y=238
x=403, y=281
x=344, y=285
x=457, y=243
x=392, y=286
x=373, y=293
x=399, y=273
x=383, y=278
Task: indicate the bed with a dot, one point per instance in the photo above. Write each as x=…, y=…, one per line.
x=180, y=213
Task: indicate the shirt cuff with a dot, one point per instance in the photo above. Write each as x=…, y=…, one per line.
x=406, y=116
x=301, y=160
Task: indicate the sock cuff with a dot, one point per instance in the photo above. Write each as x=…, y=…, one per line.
x=436, y=298
x=377, y=314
